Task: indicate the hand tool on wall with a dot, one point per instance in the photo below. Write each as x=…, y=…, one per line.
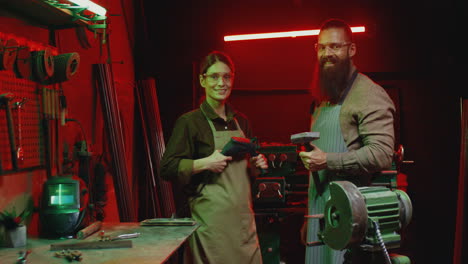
x=58, y=145
x=19, y=149
x=63, y=107
x=8, y=55
x=304, y=139
x=1, y=166
x=5, y=99
x=45, y=128
x=22, y=66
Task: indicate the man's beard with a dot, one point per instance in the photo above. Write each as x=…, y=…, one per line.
x=333, y=79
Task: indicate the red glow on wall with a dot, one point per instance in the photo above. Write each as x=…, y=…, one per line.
x=285, y=34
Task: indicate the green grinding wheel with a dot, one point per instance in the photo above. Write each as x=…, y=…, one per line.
x=345, y=216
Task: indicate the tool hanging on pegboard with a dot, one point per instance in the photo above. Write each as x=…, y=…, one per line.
x=8, y=52
x=5, y=99
x=34, y=140
x=22, y=66
x=63, y=107
x=53, y=110
x=50, y=110
x=19, y=148
x=40, y=65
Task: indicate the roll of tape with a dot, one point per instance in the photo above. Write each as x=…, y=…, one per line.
x=65, y=66
x=42, y=65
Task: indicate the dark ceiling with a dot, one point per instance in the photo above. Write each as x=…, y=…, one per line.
x=186, y=30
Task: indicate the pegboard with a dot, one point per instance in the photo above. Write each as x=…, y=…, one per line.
x=25, y=110
x=27, y=115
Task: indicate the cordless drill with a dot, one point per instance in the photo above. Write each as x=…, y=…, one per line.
x=304, y=139
x=239, y=146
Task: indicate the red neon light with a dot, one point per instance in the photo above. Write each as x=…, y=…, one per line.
x=285, y=34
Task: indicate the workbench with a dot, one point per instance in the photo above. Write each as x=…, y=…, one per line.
x=156, y=244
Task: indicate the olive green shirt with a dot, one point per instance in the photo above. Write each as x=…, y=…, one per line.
x=192, y=139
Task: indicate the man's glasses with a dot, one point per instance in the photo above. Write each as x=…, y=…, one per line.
x=334, y=47
x=215, y=77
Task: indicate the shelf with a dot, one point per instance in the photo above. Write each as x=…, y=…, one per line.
x=40, y=13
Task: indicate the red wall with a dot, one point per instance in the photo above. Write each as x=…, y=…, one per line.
x=398, y=51
x=273, y=77
x=81, y=95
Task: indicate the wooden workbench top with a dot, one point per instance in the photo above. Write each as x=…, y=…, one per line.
x=154, y=245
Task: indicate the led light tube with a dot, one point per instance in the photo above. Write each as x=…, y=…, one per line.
x=285, y=34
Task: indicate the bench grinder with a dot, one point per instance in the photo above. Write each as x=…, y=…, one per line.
x=367, y=217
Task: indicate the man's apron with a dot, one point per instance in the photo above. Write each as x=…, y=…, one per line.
x=331, y=140
x=224, y=210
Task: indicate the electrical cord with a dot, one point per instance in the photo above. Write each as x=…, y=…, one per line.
x=81, y=127
x=382, y=244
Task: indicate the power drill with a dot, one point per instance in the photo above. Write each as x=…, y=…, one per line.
x=239, y=147
x=304, y=139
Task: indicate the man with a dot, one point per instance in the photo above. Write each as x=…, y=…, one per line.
x=354, y=116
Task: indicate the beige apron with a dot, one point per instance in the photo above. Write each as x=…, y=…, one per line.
x=227, y=233
x=331, y=140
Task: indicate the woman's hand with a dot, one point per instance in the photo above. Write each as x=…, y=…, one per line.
x=259, y=162
x=216, y=163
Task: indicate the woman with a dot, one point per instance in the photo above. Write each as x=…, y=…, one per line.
x=222, y=204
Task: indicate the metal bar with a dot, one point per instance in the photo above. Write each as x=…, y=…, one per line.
x=315, y=243
x=155, y=208
x=116, y=141
x=11, y=135
x=93, y=245
x=319, y=216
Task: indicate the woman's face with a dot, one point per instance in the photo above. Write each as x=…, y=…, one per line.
x=217, y=81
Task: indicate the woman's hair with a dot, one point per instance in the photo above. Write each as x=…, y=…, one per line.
x=214, y=57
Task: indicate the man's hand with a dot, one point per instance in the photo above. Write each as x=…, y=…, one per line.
x=314, y=160
x=304, y=233
x=259, y=162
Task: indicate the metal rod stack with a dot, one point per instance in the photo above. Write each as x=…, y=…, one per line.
x=154, y=144
x=148, y=198
x=104, y=81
